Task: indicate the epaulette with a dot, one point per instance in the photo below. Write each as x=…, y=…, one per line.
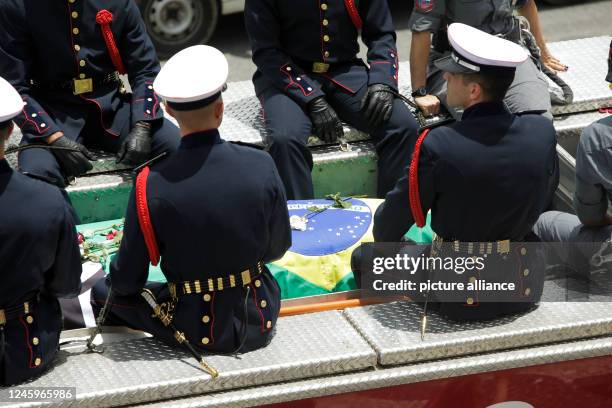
x=254, y=146
x=444, y=120
x=150, y=162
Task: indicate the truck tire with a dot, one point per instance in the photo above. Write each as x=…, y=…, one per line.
x=177, y=24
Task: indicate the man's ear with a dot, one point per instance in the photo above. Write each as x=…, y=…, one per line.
x=475, y=91
x=169, y=110
x=219, y=109
x=7, y=132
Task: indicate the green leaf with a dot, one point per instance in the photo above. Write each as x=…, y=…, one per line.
x=346, y=204
x=339, y=202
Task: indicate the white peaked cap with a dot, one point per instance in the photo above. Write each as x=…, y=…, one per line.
x=10, y=101
x=474, y=50
x=192, y=75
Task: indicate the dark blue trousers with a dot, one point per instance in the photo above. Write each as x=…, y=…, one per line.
x=218, y=324
x=42, y=162
x=288, y=128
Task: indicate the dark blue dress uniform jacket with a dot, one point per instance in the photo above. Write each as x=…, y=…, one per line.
x=39, y=257
x=485, y=178
x=285, y=34
x=217, y=208
x=61, y=41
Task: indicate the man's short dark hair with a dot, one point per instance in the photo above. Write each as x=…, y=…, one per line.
x=5, y=125
x=494, y=84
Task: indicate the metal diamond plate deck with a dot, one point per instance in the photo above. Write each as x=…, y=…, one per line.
x=393, y=330
x=101, y=181
x=587, y=59
x=146, y=370
x=389, y=377
x=243, y=119
x=588, y=67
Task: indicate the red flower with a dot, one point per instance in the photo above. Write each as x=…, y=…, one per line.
x=80, y=238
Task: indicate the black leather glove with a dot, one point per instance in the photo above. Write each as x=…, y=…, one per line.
x=325, y=122
x=73, y=157
x=136, y=148
x=377, y=104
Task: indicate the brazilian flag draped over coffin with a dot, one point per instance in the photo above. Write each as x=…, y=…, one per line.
x=319, y=260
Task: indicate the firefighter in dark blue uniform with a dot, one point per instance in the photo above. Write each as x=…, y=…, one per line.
x=309, y=78
x=39, y=262
x=486, y=179
x=64, y=58
x=217, y=214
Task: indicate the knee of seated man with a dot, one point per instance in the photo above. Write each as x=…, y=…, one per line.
x=401, y=121
x=283, y=137
x=39, y=165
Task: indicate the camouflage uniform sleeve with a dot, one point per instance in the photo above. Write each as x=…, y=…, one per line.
x=593, y=172
x=427, y=15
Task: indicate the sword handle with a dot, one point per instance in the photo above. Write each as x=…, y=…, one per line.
x=149, y=298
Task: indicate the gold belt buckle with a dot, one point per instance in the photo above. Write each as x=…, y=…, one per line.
x=81, y=86
x=503, y=247
x=320, y=67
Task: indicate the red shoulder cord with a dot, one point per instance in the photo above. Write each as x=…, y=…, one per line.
x=353, y=13
x=144, y=218
x=413, y=183
x=104, y=18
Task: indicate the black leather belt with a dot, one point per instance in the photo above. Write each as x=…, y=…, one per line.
x=76, y=86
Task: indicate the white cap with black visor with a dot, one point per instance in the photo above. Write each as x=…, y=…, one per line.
x=192, y=78
x=474, y=51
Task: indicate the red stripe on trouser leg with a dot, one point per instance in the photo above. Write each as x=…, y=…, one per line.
x=413, y=183
x=104, y=18
x=144, y=218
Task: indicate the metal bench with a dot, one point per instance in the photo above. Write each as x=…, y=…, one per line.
x=143, y=370
x=101, y=194
x=328, y=352
x=424, y=375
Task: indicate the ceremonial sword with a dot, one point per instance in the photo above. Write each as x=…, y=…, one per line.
x=149, y=297
x=100, y=321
